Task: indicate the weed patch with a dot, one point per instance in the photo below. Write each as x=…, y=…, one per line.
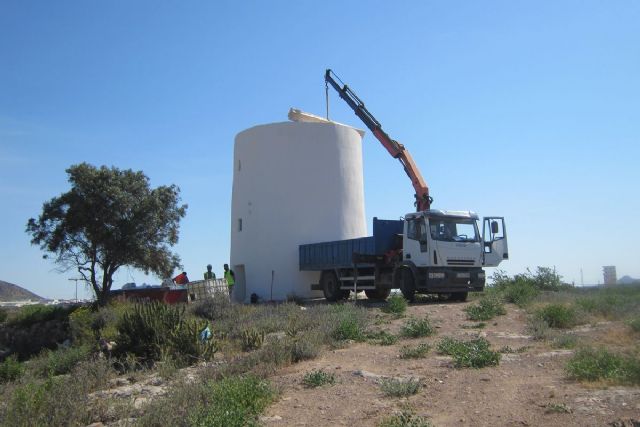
x=58, y=362
x=382, y=338
x=396, y=305
x=558, y=316
x=591, y=364
x=10, y=369
x=567, y=341
x=407, y=352
x=416, y=328
x=634, y=324
x=469, y=354
x=487, y=308
x=480, y=325
x=398, y=388
x=318, y=378
x=557, y=408
x=538, y=328
x=405, y=419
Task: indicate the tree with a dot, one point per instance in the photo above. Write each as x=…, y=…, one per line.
x=110, y=218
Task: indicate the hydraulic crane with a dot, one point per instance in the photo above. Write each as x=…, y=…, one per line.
x=397, y=150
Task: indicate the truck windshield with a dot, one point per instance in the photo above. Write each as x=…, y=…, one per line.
x=453, y=229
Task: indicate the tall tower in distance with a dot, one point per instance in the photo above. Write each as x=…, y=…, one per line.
x=609, y=272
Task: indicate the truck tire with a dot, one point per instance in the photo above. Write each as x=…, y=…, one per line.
x=407, y=284
x=377, y=294
x=459, y=296
x=331, y=287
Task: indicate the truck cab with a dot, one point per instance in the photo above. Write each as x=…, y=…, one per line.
x=444, y=252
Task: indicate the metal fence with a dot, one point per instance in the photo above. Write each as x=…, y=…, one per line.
x=200, y=290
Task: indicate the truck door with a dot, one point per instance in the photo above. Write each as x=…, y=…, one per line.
x=494, y=237
x=415, y=243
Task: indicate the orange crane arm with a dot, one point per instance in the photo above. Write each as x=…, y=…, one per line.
x=397, y=150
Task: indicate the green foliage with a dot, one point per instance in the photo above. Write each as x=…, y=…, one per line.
x=557, y=408
x=523, y=288
x=521, y=291
x=155, y=331
x=349, y=326
x=3, y=315
x=634, y=324
x=400, y=388
x=31, y=314
x=396, y=305
x=558, y=315
x=487, y=308
x=469, y=354
x=416, y=328
x=589, y=364
x=10, y=369
x=538, y=328
x=80, y=324
x=405, y=418
x=382, y=338
x=58, y=362
x=418, y=352
x=231, y=402
x=567, y=341
x=318, y=378
x=108, y=219
x=252, y=339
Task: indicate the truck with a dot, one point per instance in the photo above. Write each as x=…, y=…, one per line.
x=429, y=251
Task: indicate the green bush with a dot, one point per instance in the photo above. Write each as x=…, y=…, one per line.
x=558, y=316
x=10, y=369
x=3, y=315
x=469, y=354
x=538, y=328
x=396, y=305
x=318, y=378
x=382, y=338
x=590, y=364
x=634, y=324
x=231, y=402
x=487, y=308
x=155, y=331
x=36, y=313
x=400, y=388
x=252, y=339
x=405, y=419
x=58, y=362
x=348, y=329
x=520, y=291
x=407, y=352
x=416, y=328
x=565, y=341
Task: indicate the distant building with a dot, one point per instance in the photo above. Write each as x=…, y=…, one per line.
x=609, y=272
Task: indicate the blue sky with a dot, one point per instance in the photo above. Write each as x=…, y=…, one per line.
x=525, y=109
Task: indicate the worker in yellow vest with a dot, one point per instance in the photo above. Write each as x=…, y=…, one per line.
x=230, y=277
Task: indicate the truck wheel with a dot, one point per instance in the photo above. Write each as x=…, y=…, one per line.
x=331, y=287
x=377, y=294
x=407, y=284
x=459, y=296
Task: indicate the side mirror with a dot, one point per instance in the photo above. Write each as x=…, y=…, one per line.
x=494, y=227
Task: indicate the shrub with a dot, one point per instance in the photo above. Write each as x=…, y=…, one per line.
x=382, y=338
x=396, y=304
x=32, y=314
x=407, y=352
x=538, y=328
x=305, y=347
x=486, y=309
x=634, y=324
x=557, y=408
x=415, y=328
x=348, y=329
x=235, y=401
x=318, y=378
x=405, y=419
x=565, y=341
x=58, y=362
x=10, y=369
x=155, y=331
x=400, y=388
x=558, y=315
x=3, y=315
x=590, y=364
x=520, y=291
x=252, y=339
x=469, y=354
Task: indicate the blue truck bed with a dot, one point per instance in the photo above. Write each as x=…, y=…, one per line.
x=339, y=253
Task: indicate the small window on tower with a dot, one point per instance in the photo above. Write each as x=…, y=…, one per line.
x=239, y=224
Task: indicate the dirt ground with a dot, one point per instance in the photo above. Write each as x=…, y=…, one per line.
x=518, y=392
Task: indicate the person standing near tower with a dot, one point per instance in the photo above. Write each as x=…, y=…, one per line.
x=209, y=275
x=230, y=277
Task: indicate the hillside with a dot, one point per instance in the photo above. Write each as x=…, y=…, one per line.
x=11, y=292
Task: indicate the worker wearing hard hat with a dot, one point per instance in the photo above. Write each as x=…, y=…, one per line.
x=230, y=277
x=209, y=275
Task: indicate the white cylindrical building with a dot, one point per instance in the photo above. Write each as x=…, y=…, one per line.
x=293, y=183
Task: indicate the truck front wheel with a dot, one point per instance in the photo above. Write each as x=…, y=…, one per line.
x=407, y=284
x=331, y=287
x=459, y=296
